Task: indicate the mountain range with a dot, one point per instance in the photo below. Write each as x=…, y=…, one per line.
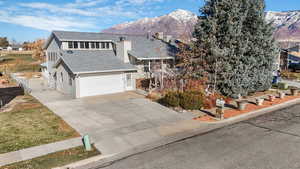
x=180, y=24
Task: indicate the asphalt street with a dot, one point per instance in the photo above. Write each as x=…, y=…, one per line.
x=271, y=141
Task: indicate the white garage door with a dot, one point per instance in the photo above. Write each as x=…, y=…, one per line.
x=102, y=84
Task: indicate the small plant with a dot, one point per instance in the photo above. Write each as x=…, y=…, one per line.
x=191, y=100
x=172, y=98
x=282, y=86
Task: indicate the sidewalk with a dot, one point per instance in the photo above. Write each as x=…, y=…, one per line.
x=33, y=152
x=172, y=133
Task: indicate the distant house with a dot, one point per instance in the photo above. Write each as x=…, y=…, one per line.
x=87, y=64
x=290, y=55
x=14, y=47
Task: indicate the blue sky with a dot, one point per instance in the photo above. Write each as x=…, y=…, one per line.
x=24, y=20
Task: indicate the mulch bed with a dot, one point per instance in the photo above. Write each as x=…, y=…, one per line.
x=249, y=108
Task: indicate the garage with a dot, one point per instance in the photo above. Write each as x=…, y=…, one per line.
x=92, y=85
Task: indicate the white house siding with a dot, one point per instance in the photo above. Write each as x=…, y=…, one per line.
x=54, y=46
x=65, y=82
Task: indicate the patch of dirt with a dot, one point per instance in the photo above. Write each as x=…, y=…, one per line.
x=13, y=104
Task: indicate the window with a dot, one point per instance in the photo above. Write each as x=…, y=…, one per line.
x=48, y=56
x=62, y=76
x=102, y=45
x=97, y=45
x=87, y=45
x=70, y=45
x=51, y=57
x=75, y=45
x=93, y=45
x=107, y=45
x=81, y=45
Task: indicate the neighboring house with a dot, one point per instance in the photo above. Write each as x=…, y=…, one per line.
x=87, y=64
x=14, y=47
x=289, y=56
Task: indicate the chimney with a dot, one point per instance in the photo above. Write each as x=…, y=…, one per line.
x=122, y=48
x=148, y=35
x=168, y=38
x=160, y=35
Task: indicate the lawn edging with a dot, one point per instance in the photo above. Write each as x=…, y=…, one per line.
x=201, y=129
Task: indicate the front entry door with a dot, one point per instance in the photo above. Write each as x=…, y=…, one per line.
x=128, y=81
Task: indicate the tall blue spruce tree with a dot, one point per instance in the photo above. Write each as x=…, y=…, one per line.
x=238, y=45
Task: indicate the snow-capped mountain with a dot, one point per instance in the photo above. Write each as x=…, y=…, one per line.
x=181, y=23
x=287, y=24
x=178, y=24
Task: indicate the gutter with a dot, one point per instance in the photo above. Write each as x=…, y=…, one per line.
x=105, y=71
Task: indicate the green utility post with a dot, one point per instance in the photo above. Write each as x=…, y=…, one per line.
x=87, y=143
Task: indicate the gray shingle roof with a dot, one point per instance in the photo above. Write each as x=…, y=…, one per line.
x=80, y=61
x=142, y=47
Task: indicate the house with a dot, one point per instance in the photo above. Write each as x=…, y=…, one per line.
x=14, y=47
x=87, y=64
x=289, y=56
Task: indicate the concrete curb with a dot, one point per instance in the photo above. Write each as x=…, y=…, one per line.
x=103, y=161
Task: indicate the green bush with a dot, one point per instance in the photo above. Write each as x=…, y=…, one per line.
x=191, y=100
x=283, y=86
x=172, y=98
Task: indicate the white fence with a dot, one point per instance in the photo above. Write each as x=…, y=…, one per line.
x=21, y=81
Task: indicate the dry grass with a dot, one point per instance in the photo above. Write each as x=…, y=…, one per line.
x=28, y=123
x=11, y=63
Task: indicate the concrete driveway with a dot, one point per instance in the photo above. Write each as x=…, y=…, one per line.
x=115, y=122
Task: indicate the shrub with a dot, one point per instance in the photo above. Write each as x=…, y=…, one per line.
x=172, y=98
x=191, y=100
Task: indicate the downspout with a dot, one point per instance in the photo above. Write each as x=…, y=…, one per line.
x=77, y=86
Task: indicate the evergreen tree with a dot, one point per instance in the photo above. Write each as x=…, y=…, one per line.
x=3, y=42
x=228, y=32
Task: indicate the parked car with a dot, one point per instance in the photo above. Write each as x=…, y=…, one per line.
x=294, y=67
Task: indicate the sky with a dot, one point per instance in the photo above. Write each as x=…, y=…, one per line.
x=27, y=20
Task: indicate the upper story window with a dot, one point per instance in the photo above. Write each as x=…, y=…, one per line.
x=81, y=45
x=93, y=45
x=97, y=45
x=86, y=45
x=70, y=45
x=102, y=45
x=75, y=45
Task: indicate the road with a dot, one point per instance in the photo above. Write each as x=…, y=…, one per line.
x=271, y=141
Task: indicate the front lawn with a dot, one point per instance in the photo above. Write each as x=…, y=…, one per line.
x=55, y=159
x=25, y=122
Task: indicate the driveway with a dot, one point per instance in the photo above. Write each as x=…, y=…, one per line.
x=114, y=122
